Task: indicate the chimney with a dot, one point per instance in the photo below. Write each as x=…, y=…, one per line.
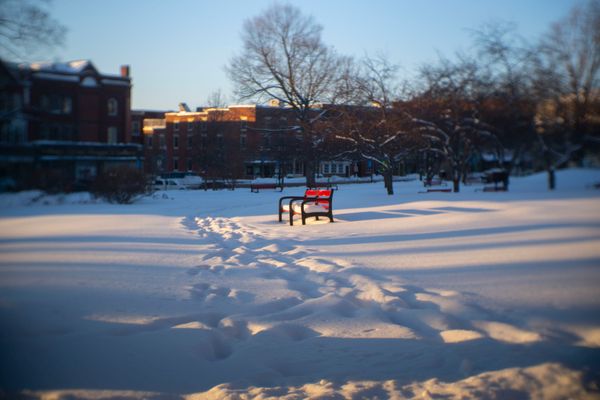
x=125, y=71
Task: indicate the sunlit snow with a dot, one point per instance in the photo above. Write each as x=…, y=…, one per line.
x=202, y=294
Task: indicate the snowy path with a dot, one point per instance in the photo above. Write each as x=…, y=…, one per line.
x=448, y=296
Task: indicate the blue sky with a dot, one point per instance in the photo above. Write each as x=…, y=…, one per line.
x=177, y=50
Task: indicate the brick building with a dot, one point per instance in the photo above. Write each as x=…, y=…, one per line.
x=137, y=123
x=240, y=141
x=62, y=123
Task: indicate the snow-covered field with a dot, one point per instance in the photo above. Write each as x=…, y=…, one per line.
x=197, y=294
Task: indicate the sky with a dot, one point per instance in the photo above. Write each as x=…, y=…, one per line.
x=177, y=50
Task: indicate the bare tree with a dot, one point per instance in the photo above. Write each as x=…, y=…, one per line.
x=25, y=26
x=216, y=99
x=284, y=58
x=506, y=99
x=447, y=114
x=375, y=127
x=567, y=84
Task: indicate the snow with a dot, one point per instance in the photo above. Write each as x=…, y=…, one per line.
x=203, y=294
x=56, y=77
x=71, y=67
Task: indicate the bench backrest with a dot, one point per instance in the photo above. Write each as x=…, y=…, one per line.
x=323, y=196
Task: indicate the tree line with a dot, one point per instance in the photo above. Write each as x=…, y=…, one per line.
x=515, y=99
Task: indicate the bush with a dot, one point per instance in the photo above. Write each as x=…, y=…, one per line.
x=122, y=184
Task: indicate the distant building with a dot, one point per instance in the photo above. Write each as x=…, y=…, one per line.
x=137, y=123
x=235, y=142
x=62, y=123
x=239, y=141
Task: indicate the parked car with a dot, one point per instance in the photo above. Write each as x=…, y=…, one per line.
x=186, y=179
x=168, y=184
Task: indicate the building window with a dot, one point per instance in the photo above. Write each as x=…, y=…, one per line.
x=220, y=140
x=176, y=126
x=189, y=165
x=243, y=125
x=203, y=126
x=113, y=133
x=67, y=105
x=176, y=141
x=325, y=168
x=135, y=128
x=243, y=140
x=113, y=106
x=176, y=164
x=190, y=126
x=266, y=140
x=56, y=104
x=190, y=141
x=149, y=141
x=162, y=141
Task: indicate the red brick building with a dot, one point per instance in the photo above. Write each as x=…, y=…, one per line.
x=63, y=119
x=137, y=123
x=242, y=141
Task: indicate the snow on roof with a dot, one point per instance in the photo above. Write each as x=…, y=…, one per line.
x=69, y=67
x=56, y=77
x=242, y=106
x=76, y=67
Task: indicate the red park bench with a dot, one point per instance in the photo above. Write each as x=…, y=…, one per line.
x=315, y=203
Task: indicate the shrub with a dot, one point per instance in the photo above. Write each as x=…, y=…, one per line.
x=121, y=184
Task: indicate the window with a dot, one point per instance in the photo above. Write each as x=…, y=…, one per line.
x=325, y=168
x=190, y=126
x=113, y=106
x=135, y=128
x=67, y=105
x=190, y=141
x=176, y=164
x=189, y=165
x=161, y=138
x=203, y=126
x=266, y=140
x=176, y=141
x=149, y=141
x=113, y=133
x=176, y=126
x=220, y=140
x=243, y=140
x=56, y=104
x=243, y=125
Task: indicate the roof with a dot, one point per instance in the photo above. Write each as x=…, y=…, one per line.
x=75, y=67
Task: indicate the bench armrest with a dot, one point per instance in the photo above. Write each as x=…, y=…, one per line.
x=292, y=198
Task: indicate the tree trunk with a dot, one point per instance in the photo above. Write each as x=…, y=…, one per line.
x=388, y=181
x=456, y=180
x=551, y=179
x=309, y=171
x=456, y=186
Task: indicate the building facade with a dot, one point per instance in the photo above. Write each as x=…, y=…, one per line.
x=63, y=123
x=240, y=141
